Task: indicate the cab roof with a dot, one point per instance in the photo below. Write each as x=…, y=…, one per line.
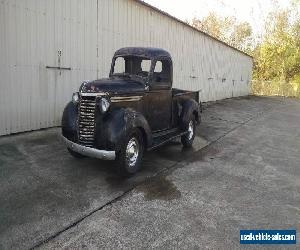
x=143, y=51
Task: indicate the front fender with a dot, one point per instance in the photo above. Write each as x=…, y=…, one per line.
x=69, y=121
x=115, y=126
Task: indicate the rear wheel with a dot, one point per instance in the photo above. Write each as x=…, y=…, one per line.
x=188, y=139
x=130, y=156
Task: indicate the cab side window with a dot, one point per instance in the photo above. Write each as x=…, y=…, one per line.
x=162, y=72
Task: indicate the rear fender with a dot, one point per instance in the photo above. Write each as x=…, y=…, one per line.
x=189, y=108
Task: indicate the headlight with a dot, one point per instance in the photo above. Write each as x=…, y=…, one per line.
x=103, y=104
x=75, y=97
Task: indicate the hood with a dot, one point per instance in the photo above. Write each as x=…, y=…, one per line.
x=112, y=85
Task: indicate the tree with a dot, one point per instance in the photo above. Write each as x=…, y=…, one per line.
x=278, y=55
x=226, y=29
x=241, y=37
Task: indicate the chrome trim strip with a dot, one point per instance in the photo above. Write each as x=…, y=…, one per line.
x=92, y=94
x=91, y=152
x=114, y=98
x=125, y=98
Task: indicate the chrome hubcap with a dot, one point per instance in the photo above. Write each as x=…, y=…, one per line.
x=191, y=130
x=132, y=151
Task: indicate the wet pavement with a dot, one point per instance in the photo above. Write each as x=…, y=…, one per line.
x=243, y=172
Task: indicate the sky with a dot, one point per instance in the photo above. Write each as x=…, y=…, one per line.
x=252, y=11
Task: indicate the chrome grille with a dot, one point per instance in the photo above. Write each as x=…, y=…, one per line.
x=86, y=121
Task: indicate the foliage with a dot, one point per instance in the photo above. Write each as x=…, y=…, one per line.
x=278, y=56
x=227, y=29
x=276, y=53
x=276, y=88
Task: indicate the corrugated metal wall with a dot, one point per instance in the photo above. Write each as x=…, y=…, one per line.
x=83, y=35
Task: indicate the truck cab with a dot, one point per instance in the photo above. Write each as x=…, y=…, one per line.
x=134, y=110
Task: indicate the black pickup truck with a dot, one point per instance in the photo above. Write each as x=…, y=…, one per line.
x=134, y=110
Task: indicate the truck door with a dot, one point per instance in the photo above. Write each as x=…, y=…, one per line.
x=159, y=96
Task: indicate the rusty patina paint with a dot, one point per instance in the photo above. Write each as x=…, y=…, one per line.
x=137, y=104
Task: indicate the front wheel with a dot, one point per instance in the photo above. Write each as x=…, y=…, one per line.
x=130, y=156
x=188, y=139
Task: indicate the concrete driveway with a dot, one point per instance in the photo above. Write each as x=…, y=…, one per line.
x=243, y=173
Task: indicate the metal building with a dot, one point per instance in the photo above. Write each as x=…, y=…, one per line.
x=80, y=37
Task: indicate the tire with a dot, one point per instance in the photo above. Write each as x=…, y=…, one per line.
x=75, y=154
x=188, y=139
x=130, y=155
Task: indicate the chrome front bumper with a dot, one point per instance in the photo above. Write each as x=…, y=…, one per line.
x=90, y=152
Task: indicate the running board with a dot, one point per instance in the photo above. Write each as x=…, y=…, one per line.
x=165, y=132
x=161, y=140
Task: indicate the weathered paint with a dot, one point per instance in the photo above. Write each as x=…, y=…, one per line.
x=83, y=35
x=161, y=113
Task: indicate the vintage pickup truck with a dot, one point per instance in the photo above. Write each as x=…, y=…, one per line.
x=134, y=110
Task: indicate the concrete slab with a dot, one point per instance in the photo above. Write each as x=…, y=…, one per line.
x=45, y=190
x=247, y=177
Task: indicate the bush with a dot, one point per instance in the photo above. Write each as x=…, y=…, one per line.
x=276, y=88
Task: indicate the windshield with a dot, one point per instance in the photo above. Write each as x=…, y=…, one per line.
x=131, y=66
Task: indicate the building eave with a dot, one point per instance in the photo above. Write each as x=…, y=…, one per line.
x=189, y=26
